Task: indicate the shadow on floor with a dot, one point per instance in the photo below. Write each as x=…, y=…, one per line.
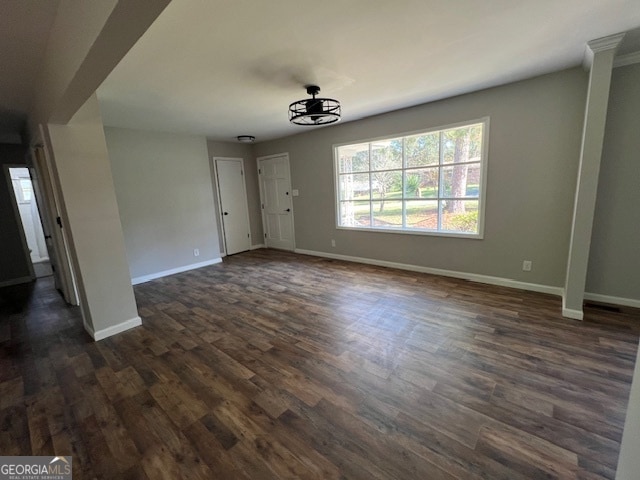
x=35, y=312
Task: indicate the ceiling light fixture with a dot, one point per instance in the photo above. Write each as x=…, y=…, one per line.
x=314, y=111
x=246, y=138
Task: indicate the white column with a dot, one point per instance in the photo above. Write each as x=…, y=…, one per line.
x=600, y=54
x=92, y=222
x=629, y=459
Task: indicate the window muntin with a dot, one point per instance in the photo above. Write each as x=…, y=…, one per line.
x=426, y=183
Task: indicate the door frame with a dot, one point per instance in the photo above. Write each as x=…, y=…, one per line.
x=246, y=200
x=19, y=223
x=264, y=218
x=50, y=212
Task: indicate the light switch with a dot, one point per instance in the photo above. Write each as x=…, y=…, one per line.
x=295, y=192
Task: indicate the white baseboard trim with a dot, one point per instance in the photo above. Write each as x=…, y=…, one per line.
x=474, y=277
x=115, y=329
x=16, y=281
x=625, y=302
x=570, y=312
x=173, y=271
x=573, y=314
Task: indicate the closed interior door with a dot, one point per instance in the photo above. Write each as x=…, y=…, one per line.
x=233, y=204
x=277, y=209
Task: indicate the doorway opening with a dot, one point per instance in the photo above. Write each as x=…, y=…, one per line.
x=30, y=220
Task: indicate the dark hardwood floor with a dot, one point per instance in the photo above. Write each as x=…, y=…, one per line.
x=274, y=365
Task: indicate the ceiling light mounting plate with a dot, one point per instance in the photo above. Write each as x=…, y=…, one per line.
x=312, y=89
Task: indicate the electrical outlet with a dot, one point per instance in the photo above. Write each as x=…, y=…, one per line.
x=196, y=252
x=333, y=242
x=526, y=265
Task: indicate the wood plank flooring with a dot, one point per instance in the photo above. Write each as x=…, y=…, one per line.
x=281, y=366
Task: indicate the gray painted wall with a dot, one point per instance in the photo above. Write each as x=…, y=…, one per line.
x=614, y=262
x=13, y=262
x=534, y=147
x=163, y=187
x=244, y=151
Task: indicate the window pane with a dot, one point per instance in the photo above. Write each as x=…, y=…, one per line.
x=27, y=190
x=386, y=184
x=354, y=187
x=475, y=148
x=448, y=147
x=460, y=216
x=462, y=144
x=386, y=154
x=422, y=214
x=422, y=150
x=421, y=183
x=355, y=214
x=387, y=213
x=354, y=158
x=461, y=180
x=473, y=180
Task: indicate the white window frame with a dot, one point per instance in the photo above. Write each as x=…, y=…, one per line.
x=413, y=231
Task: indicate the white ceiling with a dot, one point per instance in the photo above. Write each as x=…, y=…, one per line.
x=223, y=68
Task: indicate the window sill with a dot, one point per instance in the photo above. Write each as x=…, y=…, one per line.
x=428, y=233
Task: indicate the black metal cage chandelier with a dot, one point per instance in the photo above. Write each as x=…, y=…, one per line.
x=314, y=111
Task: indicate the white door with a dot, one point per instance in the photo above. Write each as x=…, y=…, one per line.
x=46, y=196
x=234, y=212
x=277, y=207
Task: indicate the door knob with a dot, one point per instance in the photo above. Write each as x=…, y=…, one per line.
x=226, y=213
x=288, y=210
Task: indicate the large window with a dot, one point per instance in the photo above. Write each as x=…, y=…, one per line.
x=429, y=182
